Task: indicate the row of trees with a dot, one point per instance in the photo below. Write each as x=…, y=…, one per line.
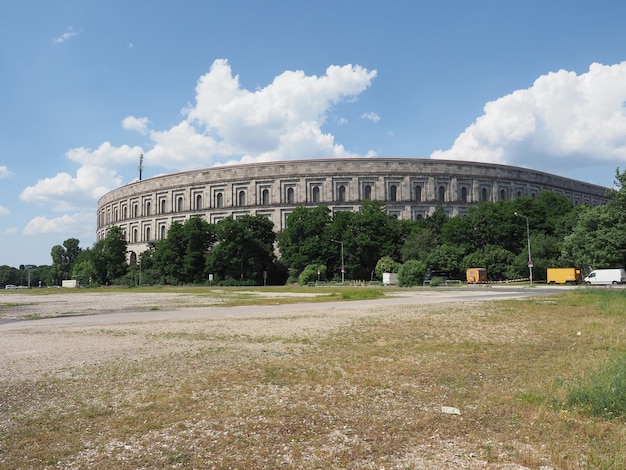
x=317, y=244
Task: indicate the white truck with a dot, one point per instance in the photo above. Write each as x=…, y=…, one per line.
x=606, y=276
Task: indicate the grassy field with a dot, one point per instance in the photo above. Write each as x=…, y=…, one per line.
x=536, y=383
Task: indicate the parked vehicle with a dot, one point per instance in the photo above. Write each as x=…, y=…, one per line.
x=430, y=275
x=564, y=275
x=606, y=276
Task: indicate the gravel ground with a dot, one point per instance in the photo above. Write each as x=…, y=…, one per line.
x=74, y=331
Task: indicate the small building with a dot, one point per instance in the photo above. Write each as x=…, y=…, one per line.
x=69, y=283
x=476, y=275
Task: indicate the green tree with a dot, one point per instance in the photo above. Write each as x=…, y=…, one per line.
x=498, y=261
x=418, y=244
x=447, y=258
x=8, y=275
x=181, y=256
x=199, y=236
x=244, y=251
x=598, y=239
x=305, y=239
x=59, y=268
x=63, y=259
x=108, y=256
x=367, y=235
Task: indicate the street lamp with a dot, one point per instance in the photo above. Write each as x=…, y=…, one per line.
x=342, y=265
x=530, y=259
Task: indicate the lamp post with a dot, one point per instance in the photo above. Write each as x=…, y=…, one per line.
x=342, y=265
x=530, y=259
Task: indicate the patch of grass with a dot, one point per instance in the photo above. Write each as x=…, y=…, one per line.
x=602, y=392
x=360, y=293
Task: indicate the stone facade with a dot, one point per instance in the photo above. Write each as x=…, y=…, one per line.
x=410, y=188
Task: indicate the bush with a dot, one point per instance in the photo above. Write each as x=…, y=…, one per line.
x=386, y=265
x=309, y=274
x=603, y=392
x=411, y=273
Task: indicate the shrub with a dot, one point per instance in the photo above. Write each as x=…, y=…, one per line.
x=386, y=265
x=411, y=273
x=309, y=274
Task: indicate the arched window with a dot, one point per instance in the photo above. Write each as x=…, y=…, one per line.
x=219, y=200
x=367, y=192
x=148, y=207
x=290, y=197
x=483, y=194
x=133, y=258
x=265, y=197
x=341, y=193
x=442, y=193
x=463, y=194
x=198, y=202
x=162, y=236
x=242, y=198
x=393, y=193
x=316, y=194
x=135, y=210
x=179, y=204
x=162, y=206
x=115, y=215
x=134, y=235
x=418, y=193
x=125, y=213
x=519, y=194
x=147, y=234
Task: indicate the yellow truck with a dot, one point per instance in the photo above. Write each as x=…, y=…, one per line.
x=564, y=276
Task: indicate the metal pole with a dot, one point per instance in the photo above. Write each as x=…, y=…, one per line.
x=530, y=259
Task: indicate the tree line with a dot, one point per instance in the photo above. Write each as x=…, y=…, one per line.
x=318, y=245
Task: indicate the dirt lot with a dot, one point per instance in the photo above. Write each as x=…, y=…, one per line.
x=74, y=336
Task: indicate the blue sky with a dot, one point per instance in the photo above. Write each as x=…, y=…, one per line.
x=87, y=86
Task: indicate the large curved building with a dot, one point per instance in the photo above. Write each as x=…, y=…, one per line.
x=411, y=189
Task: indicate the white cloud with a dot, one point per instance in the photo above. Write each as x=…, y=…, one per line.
x=241, y=125
x=4, y=211
x=371, y=116
x=65, y=192
x=136, y=124
x=564, y=119
x=105, y=156
x=75, y=224
x=9, y=230
x=66, y=36
x=4, y=172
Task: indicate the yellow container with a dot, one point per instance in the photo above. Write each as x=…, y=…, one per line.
x=563, y=275
x=476, y=275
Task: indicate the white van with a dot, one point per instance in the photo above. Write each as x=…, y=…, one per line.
x=606, y=276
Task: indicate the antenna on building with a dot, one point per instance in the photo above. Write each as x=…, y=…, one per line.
x=140, y=165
